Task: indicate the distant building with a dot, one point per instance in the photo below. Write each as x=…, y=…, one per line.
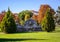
x=58, y=15
x=16, y=18
x=35, y=15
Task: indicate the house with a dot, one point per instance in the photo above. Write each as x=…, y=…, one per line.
x=30, y=25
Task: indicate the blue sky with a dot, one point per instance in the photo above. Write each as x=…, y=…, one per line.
x=19, y=5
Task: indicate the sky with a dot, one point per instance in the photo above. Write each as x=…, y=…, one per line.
x=19, y=5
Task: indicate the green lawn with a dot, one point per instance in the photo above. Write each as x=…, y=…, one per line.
x=32, y=37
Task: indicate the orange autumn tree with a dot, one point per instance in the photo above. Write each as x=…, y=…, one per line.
x=42, y=12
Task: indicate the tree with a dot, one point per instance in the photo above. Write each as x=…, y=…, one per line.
x=42, y=12
x=25, y=15
x=8, y=24
x=48, y=22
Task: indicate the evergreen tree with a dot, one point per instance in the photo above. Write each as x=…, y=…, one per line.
x=8, y=24
x=48, y=22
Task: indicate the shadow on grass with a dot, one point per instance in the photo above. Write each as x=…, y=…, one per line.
x=24, y=39
x=29, y=32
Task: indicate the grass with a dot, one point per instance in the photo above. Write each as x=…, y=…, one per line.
x=32, y=37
